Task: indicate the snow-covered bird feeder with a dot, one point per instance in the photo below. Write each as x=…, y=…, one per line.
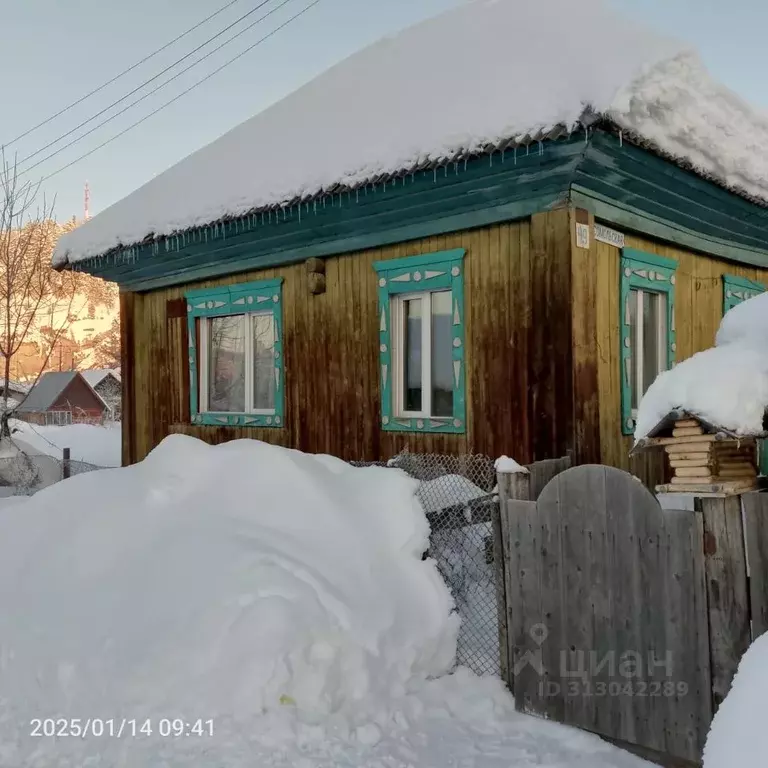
x=705, y=459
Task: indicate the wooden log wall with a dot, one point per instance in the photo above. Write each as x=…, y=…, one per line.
x=518, y=345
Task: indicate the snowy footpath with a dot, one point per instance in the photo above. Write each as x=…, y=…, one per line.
x=244, y=605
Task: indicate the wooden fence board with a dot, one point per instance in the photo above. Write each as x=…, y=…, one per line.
x=756, y=536
x=616, y=583
x=726, y=574
x=523, y=611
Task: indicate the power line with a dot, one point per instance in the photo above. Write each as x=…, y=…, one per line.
x=183, y=93
x=121, y=74
x=146, y=95
x=147, y=82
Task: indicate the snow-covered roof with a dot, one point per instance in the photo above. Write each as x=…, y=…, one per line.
x=484, y=75
x=95, y=376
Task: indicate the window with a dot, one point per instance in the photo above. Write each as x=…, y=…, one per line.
x=58, y=418
x=735, y=291
x=421, y=334
x=738, y=289
x=235, y=354
x=647, y=326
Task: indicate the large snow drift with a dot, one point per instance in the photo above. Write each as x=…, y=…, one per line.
x=727, y=385
x=738, y=736
x=486, y=72
x=281, y=595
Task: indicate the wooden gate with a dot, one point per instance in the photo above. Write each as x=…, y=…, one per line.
x=623, y=618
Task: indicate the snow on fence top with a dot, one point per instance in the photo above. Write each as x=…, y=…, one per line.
x=482, y=75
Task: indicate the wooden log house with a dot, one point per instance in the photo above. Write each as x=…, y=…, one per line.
x=561, y=267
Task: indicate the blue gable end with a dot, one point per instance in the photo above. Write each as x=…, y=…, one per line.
x=617, y=181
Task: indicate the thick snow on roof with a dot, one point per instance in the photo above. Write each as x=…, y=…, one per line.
x=482, y=74
x=727, y=385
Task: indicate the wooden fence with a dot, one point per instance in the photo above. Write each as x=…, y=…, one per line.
x=624, y=618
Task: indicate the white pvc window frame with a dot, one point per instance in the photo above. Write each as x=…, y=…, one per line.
x=249, y=363
x=399, y=352
x=661, y=338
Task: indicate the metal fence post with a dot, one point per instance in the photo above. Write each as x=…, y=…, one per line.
x=65, y=466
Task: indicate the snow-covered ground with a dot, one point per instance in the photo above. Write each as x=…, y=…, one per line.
x=99, y=445
x=738, y=735
x=280, y=595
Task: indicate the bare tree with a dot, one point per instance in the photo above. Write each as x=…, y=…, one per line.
x=32, y=294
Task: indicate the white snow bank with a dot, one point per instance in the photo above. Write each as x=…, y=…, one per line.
x=394, y=106
x=510, y=466
x=99, y=445
x=726, y=386
x=278, y=594
x=746, y=322
x=212, y=581
x=738, y=734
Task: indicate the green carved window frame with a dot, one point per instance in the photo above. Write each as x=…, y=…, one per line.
x=416, y=276
x=737, y=289
x=644, y=272
x=263, y=297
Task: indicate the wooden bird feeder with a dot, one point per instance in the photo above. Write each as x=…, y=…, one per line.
x=706, y=460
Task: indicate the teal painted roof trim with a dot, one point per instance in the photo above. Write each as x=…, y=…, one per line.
x=635, y=189
x=503, y=186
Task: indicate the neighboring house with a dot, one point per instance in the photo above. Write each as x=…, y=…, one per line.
x=488, y=233
x=16, y=393
x=61, y=398
x=106, y=383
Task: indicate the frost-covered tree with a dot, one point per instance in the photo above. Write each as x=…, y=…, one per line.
x=37, y=303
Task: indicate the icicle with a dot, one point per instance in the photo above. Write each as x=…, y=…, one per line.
x=515, y=155
x=490, y=157
x=435, y=176
x=314, y=204
x=465, y=163
x=621, y=138
x=541, y=148
x=357, y=195
x=299, y=213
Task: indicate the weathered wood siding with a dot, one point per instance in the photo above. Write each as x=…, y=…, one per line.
x=597, y=386
x=518, y=345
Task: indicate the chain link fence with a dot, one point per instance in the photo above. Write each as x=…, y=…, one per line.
x=23, y=474
x=458, y=494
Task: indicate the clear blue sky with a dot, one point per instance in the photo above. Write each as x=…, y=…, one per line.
x=61, y=50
